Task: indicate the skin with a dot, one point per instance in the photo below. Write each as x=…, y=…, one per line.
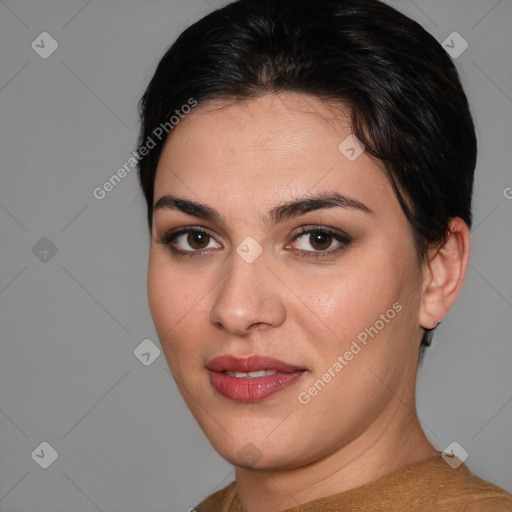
x=243, y=159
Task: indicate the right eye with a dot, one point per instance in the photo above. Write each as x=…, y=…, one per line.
x=189, y=241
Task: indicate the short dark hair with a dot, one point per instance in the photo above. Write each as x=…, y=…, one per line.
x=402, y=90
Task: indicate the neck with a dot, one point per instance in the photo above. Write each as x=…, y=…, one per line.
x=397, y=440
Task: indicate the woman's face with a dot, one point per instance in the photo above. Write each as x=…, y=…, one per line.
x=278, y=243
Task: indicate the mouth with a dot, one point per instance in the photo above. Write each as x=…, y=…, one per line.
x=250, y=375
x=251, y=379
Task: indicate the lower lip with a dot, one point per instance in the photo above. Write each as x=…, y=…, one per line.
x=252, y=390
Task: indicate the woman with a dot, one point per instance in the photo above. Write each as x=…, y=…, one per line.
x=308, y=173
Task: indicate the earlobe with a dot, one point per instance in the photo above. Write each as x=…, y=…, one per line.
x=444, y=273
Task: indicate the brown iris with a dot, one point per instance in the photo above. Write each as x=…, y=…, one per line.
x=198, y=240
x=320, y=240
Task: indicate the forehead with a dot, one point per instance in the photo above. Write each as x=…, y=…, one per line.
x=266, y=150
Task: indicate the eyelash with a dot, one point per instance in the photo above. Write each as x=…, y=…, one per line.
x=345, y=240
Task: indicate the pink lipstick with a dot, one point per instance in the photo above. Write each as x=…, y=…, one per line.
x=251, y=379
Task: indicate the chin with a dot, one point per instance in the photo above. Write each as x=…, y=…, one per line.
x=257, y=454
x=251, y=457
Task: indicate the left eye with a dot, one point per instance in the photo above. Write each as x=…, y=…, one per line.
x=317, y=240
x=195, y=240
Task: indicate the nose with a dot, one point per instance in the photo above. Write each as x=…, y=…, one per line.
x=248, y=298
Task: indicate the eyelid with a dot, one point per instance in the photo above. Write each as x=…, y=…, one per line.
x=343, y=239
x=185, y=229
x=338, y=234
x=169, y=236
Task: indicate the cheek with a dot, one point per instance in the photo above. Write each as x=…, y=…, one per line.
x=178, y=305
x=348, y=298
x=169, y=296
x=360, y=309
x=163, y=292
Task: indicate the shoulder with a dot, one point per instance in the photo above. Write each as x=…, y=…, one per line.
x=221, y=501
x=431, y=485
x=462, y=490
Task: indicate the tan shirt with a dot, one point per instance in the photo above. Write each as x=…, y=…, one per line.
x=427, y=486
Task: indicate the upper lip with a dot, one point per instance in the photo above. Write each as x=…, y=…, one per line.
x=249, y=364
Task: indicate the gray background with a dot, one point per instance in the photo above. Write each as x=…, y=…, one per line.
x=70, y=321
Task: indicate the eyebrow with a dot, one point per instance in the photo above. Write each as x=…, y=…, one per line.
x=276, y=215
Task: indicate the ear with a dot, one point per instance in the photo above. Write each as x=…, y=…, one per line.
x=443, y=274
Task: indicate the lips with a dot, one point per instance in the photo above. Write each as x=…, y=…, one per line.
x=249, y=364
x=251, y=379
